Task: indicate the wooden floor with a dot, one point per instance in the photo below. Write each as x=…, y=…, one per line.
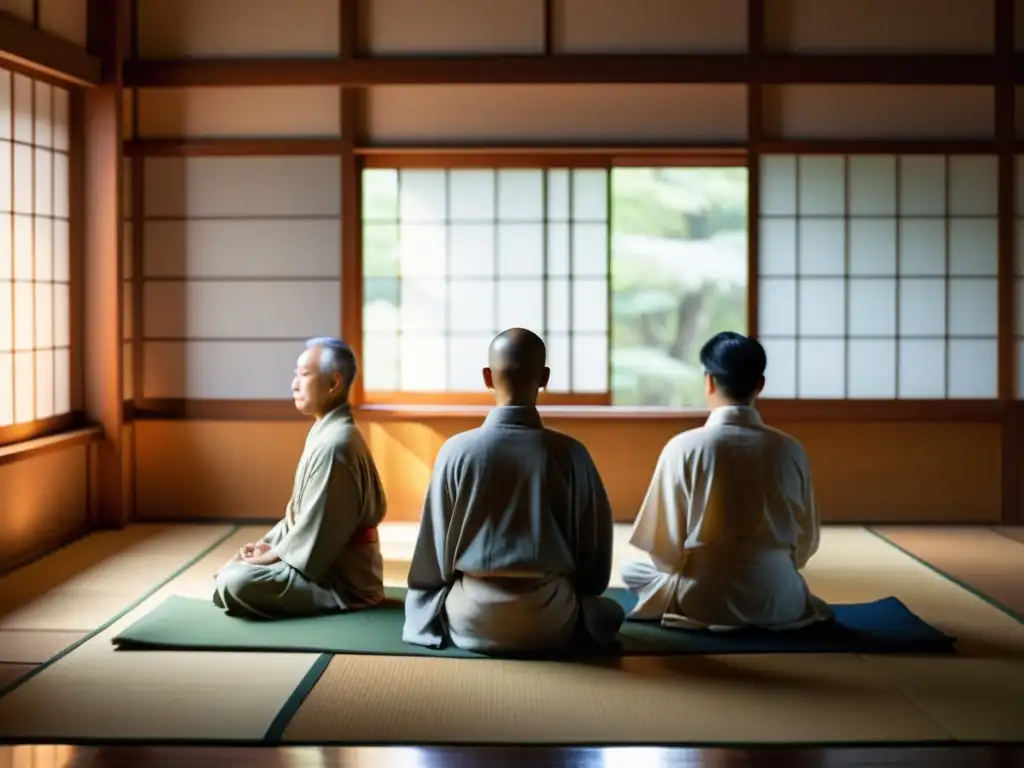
x=55, y=616
x=27, y=756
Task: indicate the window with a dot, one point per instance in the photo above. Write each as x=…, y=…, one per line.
x=35, y=329
x=1018, y=271
x=878, y=276
x=679, y=276
x=620, y=271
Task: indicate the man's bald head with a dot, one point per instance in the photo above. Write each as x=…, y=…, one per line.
x=517, y=365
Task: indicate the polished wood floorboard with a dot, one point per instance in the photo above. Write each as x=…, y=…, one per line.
x=27, y=756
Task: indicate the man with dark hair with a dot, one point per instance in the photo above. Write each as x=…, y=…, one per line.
x=729, y=519
x=515, y=541
x=324, y=555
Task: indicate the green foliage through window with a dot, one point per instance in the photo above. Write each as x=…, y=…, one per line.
x=679, y=275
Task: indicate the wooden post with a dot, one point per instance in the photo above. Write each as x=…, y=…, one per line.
x=1006, y=140
x=99, y=145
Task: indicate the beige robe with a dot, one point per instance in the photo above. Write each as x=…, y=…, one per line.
x=728, y=521
x=515, y=543
x=328, y=560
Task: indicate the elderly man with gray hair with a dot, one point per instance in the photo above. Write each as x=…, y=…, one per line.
x=324, y=555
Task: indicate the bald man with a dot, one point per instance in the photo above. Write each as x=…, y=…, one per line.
x=323, y=556
x=515, y=540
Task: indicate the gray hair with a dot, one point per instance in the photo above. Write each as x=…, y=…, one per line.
x=335, y=357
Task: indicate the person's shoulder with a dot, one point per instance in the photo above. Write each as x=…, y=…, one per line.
x=343, y=444
x=460, y=444
x=567, y=445
x=688, y=442
x=785, y=444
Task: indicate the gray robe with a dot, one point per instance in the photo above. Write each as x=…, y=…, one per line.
x=330, y=558
x=515, y=542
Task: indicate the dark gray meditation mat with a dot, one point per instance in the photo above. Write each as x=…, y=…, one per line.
x=187, y=624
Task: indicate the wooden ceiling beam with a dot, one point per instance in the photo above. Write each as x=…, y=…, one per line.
x=572, y=70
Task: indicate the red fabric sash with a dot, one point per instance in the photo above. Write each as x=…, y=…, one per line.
x=366, y=536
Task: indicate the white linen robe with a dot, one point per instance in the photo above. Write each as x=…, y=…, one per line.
x=515, y=542
x=728, y=521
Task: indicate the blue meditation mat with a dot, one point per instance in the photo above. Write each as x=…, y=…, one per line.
x=180, y=623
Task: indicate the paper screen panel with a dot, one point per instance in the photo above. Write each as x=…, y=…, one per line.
x=227, y=187
x=238, y=113
x=1018, y=32
x=21, y=9
x=887, y=264
x=263, y=248
x=421, y=114
x=909, y=112
x=453, y=256
x=880, y=26
x=468, y=27
x=65, y=19
x=650, y=26
x=171, y=29
x=1018, y=272
x=34, y=269
x=220, y=370
x=225, y=309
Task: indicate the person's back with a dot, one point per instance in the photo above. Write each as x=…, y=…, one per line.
x=730, y=516
x=515, y=543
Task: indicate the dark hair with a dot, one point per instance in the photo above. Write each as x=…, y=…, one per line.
x=736, y=363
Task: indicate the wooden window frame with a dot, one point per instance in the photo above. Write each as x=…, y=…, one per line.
x=606, y=159
x=15, y=436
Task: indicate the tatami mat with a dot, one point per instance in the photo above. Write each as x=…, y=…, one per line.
x=96, y=692
x=979, y=558
x=88, y=582
x=25, y=646
x=1014, y=532
x=974, y=699
x=11, y=672
x=669, y=700
x=805, y=698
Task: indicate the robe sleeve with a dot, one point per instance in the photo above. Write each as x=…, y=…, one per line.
x=596, y=533
x=275, y=534
x=810, y=524
x=430, y=572
x=661, y=526
x=328, y=515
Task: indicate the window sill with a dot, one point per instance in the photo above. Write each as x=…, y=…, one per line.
x=772, y=411
x=28, y=449
x=573, y=412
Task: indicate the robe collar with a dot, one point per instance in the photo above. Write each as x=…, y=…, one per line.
x=341, y=414
x=516, y=415
x=741, y=415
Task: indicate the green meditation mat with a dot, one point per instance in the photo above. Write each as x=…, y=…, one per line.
x=187, y=624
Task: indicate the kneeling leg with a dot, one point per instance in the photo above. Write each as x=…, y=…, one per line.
x=655, y=589
x=602, y=618
x=263, y=592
